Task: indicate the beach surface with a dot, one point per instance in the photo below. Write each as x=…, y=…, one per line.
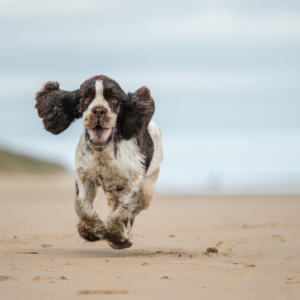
x=43, y=257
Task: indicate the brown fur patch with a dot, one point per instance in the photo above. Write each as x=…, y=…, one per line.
x=57, y=108
x=76, y=188
x=147, y=147
x=136, y=114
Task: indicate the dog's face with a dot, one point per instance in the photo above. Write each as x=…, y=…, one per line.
x=101, y=106
x=104, y=106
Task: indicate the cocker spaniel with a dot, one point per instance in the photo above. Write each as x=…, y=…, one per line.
x=120, y=150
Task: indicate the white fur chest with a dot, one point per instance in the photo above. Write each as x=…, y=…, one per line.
x=127, y=168
x=130, y=161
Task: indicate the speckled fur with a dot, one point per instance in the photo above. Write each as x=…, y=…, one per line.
x=127, y=187
x=126, y=167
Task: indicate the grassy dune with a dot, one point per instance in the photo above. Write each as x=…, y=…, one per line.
x=13, y=163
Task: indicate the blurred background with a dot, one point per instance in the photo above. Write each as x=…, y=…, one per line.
x=224, y=75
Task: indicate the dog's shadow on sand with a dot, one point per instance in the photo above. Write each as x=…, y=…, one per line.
x=105, y=253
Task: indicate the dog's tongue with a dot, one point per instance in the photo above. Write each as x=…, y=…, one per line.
x=99, y=134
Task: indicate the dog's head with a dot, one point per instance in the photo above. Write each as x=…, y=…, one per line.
x=106, y=110
x=100, y=108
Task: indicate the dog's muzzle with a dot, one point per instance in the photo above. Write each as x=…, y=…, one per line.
x=99, y=137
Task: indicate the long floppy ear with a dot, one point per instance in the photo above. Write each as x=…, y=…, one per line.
x=57, y=108
x=136, y=113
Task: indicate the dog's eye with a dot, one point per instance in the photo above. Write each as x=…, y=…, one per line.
x=114, y=100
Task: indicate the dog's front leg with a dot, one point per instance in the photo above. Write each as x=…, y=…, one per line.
x=90, y=226
x=126, y=206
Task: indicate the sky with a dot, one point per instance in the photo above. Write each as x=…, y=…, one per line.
x=224, y=76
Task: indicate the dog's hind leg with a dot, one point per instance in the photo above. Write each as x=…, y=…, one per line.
x=90, y=226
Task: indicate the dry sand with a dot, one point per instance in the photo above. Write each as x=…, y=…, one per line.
x=43, y=257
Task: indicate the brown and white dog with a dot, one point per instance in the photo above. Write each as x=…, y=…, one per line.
x=120, y=150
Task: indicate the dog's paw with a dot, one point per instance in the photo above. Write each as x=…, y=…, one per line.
x=120, y=246
x=91, y=230
x=118, y=233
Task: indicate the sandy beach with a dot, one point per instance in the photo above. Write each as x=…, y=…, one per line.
x=43, y=257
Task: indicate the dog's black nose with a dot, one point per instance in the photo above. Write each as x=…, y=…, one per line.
x=99, y=111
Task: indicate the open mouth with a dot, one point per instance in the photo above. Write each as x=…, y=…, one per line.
x=99, y=136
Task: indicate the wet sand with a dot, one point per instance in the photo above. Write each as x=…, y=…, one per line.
x=43, y=257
